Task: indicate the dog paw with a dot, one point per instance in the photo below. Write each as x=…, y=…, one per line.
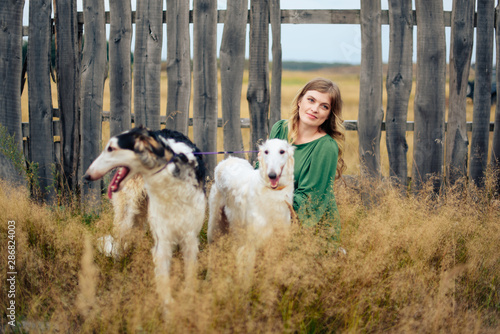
x=341, y=252
x=108, y=246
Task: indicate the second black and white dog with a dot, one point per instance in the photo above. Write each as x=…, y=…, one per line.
x=158, y=173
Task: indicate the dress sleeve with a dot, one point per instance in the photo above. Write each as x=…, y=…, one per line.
x=278, y=130
x=315, y=188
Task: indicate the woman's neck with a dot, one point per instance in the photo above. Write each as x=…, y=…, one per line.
x=307, y=134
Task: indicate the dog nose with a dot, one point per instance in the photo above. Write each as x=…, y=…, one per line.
x=87, y=177
x=272, y=175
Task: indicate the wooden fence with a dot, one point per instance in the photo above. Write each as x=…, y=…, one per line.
x=80, y=77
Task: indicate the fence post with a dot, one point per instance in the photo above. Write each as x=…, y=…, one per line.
x=398, y=85
x=93, y=75
x=120, y=75
x=41, y=138
x=11, y=18
x=482, y=91
x=68, y=87
x=258, y=78
x=232, y=66
x=147, y=63
x=461, y=41
x=205, y=79
x=429, y=107
x=178, y=65
x=275, y=107
x=370, y=97
x=495, y=151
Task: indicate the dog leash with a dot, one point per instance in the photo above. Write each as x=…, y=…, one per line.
x=224, y=152
x=204, y=153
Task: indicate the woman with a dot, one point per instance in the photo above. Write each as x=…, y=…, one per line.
x=315, y=128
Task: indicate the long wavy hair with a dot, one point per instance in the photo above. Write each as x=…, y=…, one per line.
x=333, y=126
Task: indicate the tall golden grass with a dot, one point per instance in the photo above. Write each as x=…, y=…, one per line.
x=413, y=265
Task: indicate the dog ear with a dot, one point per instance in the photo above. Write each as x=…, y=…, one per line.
x=150, y=144
x=181, y=157
x=260, y=142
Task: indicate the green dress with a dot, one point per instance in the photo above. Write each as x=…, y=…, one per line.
x=314, y=174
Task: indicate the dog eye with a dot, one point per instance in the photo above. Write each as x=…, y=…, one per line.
x=110, y=149
x=282, y=152
x=266, y=152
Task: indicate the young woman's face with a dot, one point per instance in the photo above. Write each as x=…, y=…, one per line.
x=314, y=108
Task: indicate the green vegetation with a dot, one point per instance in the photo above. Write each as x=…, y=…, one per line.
x=29, y=170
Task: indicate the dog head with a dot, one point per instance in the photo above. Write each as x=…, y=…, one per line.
x=145, y=152
x=276, y=163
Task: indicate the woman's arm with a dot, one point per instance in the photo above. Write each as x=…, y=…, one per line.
x=315, y=186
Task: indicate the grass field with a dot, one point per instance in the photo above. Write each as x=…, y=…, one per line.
x=416, y=264
x=413, y=265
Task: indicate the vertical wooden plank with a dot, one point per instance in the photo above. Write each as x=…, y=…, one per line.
x=205, y=79
x=370, y=94
x=398, y=85
x=482, y=91
x=93, y=75
x=258, y=78
x=495, y=151
x=68, y=87
x=461, y=41
x=178, y=65
x=429, y=107
x=232, y=66
x=275, y=106
x=10, y=82
x=41, y=140
x=147, y=63
x=120, y=79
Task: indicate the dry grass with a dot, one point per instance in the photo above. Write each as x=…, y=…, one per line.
x=412, y=265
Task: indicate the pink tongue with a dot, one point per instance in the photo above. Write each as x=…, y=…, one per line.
x=117, y=178
x=274, y=183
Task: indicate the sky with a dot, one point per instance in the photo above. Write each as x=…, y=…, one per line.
x=326, y=43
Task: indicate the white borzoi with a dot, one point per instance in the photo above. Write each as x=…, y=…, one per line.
x=166, y=180
x=257, y=201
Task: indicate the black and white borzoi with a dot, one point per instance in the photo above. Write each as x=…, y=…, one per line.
x=256, y=201
x=158, y=173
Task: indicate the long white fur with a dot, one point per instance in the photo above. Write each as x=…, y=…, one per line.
x=246, y=196
x=176, y=208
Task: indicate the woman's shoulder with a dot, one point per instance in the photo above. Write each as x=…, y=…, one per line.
x=328, y=142
x=281, y=124
x=279, y=130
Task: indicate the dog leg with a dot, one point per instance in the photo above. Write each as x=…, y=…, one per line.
x=217, y=221
x=109, y=245
x=189, y=248
x=130, y=206
x=162, y=257
x=245, y=262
